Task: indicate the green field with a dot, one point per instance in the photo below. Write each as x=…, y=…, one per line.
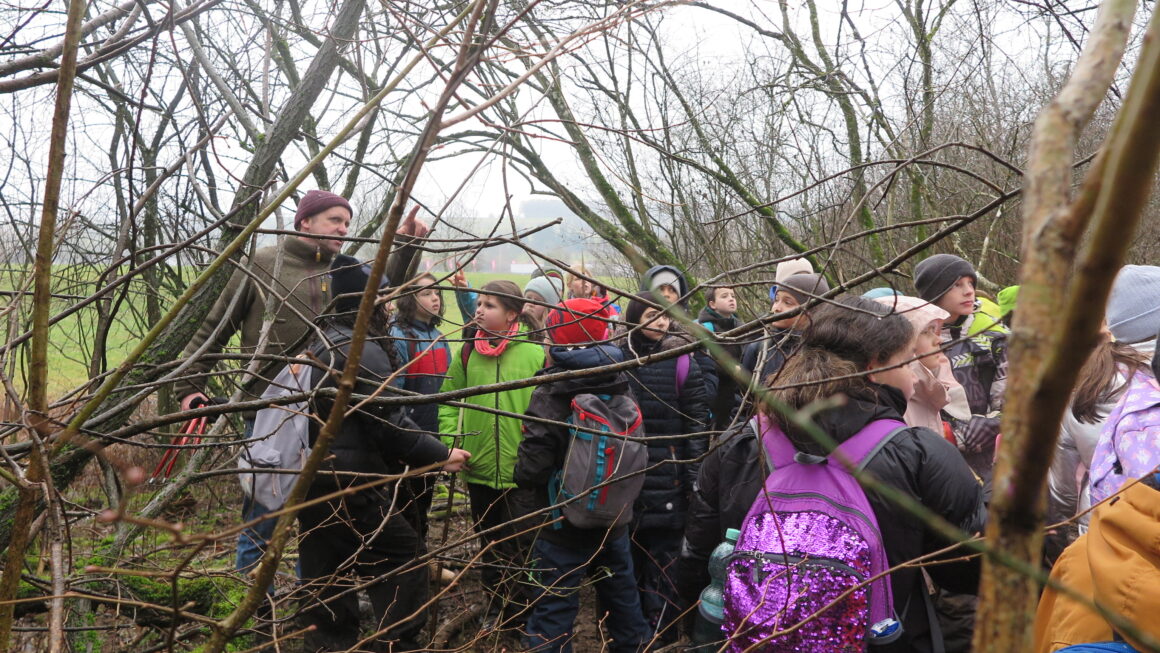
x=73, y=340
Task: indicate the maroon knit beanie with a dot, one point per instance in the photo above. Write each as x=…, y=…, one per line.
x=317, y=201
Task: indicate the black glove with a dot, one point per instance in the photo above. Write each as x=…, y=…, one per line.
x=201, y=402
x=980, y=432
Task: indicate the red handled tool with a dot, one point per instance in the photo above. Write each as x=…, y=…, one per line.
x=191, y=433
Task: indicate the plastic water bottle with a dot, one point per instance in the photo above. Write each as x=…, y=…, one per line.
x=886, y=631
x=711, y=612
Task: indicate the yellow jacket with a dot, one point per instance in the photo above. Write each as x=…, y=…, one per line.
x=1118, y=564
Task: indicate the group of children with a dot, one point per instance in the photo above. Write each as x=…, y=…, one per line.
x=935, y=362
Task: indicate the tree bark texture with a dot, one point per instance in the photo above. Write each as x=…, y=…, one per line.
x=1058, y=315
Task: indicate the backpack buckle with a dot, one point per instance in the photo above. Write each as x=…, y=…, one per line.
x=809, y=458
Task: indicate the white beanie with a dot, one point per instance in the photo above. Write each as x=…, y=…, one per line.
x=1134, y=304
x=793, y=266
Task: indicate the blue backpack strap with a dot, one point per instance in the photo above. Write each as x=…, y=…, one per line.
x=411, y=337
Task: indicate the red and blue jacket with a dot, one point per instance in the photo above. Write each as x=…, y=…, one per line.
x=429, y=357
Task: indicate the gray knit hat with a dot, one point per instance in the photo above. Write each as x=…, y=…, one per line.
x=550, y=288
x=936, y=275
x=1134, y=304
x=805, y=286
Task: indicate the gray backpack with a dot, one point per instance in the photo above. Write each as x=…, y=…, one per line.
x=603, y=471
x=281, y=439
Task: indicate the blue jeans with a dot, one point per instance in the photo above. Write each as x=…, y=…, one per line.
x=252, y=541
x=562, y=570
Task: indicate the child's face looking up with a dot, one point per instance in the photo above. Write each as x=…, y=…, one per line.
x=491, y=315
x=960, y=299
x=785, y=301
x=659, y=326
x=724, y=302
x=669, y=293
x=926, y=345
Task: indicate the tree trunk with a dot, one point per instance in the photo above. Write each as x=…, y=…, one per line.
x=1055, y=330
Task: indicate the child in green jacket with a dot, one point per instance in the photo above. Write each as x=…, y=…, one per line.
x=498, y=347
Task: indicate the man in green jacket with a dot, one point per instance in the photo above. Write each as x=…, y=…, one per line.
x=295, y=295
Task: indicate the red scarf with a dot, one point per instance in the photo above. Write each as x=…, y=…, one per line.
x=485, y=347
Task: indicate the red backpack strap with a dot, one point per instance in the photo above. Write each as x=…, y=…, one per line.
x=465, y=353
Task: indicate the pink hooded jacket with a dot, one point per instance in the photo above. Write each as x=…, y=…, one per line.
x=933, y=390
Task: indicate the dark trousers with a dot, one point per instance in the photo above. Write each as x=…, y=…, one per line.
x=345, y=544
x=423, y=489
x=561, y=572
x=956, y=617
x=654, y=557
x=505, y=563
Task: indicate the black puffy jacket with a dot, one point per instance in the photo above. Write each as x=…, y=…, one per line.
x=708, y=368
x=770, y=352
x=917, y=461
x=764, y=358
x=375, y=439
x=723, y=403
x=673, y=461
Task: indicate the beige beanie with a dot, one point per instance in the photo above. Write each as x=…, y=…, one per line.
x=918, y=312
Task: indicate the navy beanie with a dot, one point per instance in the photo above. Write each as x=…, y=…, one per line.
x=637, y=307
x=936, y=275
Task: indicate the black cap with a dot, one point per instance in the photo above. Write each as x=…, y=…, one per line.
x=348, y=278
x=936, y=275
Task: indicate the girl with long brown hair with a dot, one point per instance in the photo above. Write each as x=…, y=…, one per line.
x=1102, y=381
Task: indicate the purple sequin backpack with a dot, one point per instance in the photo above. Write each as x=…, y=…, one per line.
x=807, y=546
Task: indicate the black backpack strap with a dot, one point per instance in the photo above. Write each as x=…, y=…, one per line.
x=937, y=642
x=756, y=426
